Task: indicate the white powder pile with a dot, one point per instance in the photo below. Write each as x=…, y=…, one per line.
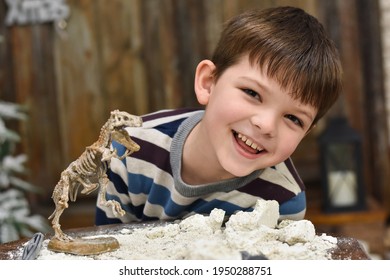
x=204, y=237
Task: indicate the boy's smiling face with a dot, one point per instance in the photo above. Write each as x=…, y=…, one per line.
x=250, y=122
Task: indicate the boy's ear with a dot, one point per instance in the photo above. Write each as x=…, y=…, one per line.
x=204, y=80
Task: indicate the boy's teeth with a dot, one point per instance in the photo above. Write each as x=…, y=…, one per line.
x=248, y=142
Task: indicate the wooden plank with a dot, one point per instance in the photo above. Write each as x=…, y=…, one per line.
x=82, y=105
x=214, y=21
x=169, y=52
x=374, y=104
x=191, y=45
x=141, y=98
x=34, y=87
x=151, y=17
x=119, y=41
x=6, y=79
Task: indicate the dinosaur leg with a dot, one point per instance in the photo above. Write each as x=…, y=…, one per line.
x=87, y=188
x=61, y=198
x=115, y=206
x=58, y=233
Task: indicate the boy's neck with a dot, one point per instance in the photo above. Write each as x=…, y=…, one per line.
x=199, y=166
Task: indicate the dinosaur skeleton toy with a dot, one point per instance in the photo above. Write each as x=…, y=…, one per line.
x=89, y=170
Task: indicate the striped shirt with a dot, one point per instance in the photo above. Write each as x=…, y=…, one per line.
x=148, y=185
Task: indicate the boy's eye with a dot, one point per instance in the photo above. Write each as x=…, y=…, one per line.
x=252, y=93
x=295, y=120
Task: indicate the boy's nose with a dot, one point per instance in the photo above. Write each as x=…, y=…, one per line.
x=266, y=124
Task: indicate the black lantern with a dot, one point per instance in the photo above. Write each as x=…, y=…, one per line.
x=341, y=167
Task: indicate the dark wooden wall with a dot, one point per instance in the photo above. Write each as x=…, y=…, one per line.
x=140, y=56
x=356, y=29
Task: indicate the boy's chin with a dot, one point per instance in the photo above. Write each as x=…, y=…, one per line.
x=239, y=171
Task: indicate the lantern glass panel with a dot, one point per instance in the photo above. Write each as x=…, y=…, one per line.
x=342, y=179
x=341, y=167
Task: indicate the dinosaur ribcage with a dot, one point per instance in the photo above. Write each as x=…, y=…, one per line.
x=89, y=163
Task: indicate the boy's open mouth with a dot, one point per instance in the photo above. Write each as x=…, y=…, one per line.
x=247, y=144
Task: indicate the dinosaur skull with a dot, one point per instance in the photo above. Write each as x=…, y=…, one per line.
x=120, y=120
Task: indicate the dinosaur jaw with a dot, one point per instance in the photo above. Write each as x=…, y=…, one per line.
x=122, y=137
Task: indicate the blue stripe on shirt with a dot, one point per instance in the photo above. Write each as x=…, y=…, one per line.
x=119, y=184
x=169, y=128
x=161, y=196
x=102, y=219
x=294, y=205
x=120, y=149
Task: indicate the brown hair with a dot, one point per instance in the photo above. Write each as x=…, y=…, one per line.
x=291, y=46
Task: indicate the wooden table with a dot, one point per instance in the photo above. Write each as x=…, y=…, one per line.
x=368, y=225
x=347, y=249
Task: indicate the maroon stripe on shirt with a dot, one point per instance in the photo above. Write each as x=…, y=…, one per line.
x=163, y=114
x=153, y=154
x=294, y=173
x=267, y=190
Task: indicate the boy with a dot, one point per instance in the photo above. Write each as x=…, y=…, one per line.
x=273, y=75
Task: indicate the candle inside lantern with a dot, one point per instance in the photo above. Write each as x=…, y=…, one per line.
x=343, y=188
